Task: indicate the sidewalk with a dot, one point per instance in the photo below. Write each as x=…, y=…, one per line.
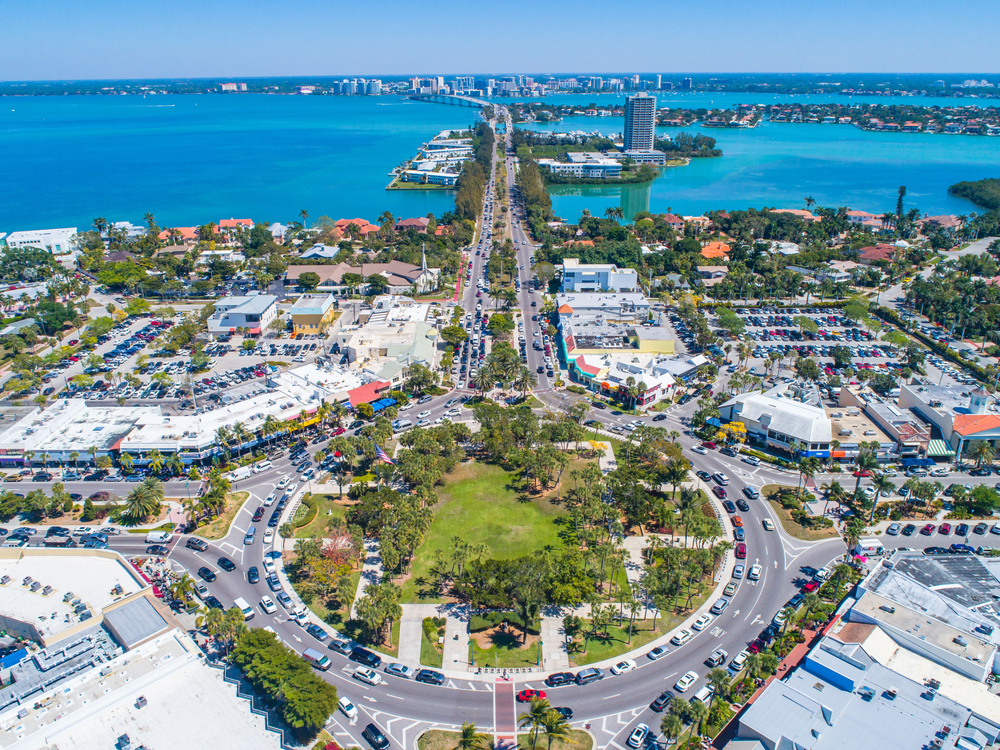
x=371, y=573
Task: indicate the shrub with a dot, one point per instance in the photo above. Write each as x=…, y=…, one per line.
x=312, y=509
x=89, y=512
x=576, y=389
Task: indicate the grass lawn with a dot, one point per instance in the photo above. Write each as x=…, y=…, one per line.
x=352, y=628
x=578, y=740
x=430, y=655
x=791, y=526
x=328, y=509
x=482, y=503
x=218, y=528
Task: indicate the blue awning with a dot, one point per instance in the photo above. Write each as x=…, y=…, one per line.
x=908, y=462
x=713, y=422
x=383, y=403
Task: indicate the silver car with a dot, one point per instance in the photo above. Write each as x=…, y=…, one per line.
x=400, y=670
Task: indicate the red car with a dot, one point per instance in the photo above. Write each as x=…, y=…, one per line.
x=864, y=473
x=708, y=444
x=719, y=492
x=945, y=528
x=526, y=696
x=339, y=431
x=811, y=586
x=741, y=551
x=928, y=529
x=756, y=647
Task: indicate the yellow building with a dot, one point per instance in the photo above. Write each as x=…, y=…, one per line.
x=312, y=311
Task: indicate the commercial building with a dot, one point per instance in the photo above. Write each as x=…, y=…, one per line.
x=786, y=415
x=253, y=312
x=610, y=375
x=312, y=312
x=640, y=122
x=621, y=307
x=401, y=278
x=912, y=435
x=394, y=330
x=597, y=277
x=109, y=667
x=55, y=241
x=596, y=168
x=960, y=414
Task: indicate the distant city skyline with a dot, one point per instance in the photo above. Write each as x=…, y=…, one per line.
x=101, y=39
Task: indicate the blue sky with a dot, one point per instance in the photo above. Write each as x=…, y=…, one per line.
x=93, y=39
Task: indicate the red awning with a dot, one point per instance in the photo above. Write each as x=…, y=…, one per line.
x=254, y=331
x=232, y=330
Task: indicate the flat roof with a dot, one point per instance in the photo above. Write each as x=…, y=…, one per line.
x=89, y=577
x=862, y=427
x=135, y=622
x=187, y=704
x=312, y=304
x=72, y=425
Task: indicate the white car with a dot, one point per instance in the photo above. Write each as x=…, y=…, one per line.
x=268, y=535
x=269, y=500
x=681, y=637
x=739, y=660
x=638, y=736
x=291, y=488
x=267, y=604
x=370, y=676
x=424, y=414
x=779, y=618
x=623, y=666
x=755, y=571
x=347, y=708
x=453, y=413
x=81, y=530
x=268, y=565
x=283, y=482
x=940, y=473
x=699, y=449
x=405, y=407
x=684, y=683
x=702, y=622
x=768, y=524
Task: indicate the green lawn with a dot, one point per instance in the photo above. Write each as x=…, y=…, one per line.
x=430, y=656
x=482, y=503
x=328, y=509
x=578, y=740
x=352, y=628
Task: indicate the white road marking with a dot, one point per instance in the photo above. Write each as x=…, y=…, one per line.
x=607, y=697
x=390, y=695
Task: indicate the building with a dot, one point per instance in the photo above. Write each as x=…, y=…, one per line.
x=656, y=158
x=253, y=312
x=911, y=434
x=419, y=223
x=961, y=415
x=610, y=375
x=111, y=668
x=873, y=253
x=401, y=278
x=785, y=415
x=713, y=250
x=55, y=241
x=596, y=277
x=395, y=329
x=640, y=122
x=623, y=307
x=712, y=275
x=325, y=252
x=312, y=312
x=594, y=168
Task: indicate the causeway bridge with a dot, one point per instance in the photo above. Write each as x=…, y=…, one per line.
x=453, y=99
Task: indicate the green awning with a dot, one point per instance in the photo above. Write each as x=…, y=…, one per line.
x=939, y=449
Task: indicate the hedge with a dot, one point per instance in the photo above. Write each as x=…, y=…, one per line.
x=310, y=516
x=479, y=623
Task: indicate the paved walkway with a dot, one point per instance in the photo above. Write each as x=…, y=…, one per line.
x=456, y=640
x=371, y=573
x=553, y=634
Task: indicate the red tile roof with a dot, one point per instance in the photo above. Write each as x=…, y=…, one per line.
x=234, y=223
x=970, y=424
x=715, y=250
x=565, y=309
x=368, y=392
x=881, y=251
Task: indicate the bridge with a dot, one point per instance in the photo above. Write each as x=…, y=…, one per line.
x=458, y=101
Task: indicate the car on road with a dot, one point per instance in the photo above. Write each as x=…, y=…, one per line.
x=269, y=500
x=720, y=493
x=424, y=414
x=945, y=529
x=285, y=600
x=661, y=701
x=738, y=571
x=657, y=652
x=730, y=589
x=739, y=535
x=736, y=665
x=684, y=683
x=681, y=637
x=755, y=571
x=564, y=711
x=810, y=587
x=768, y=524
x=557, y=679
x=316, y=632
x=717, y=658
x=157, y=549
x=702, y=622
x=638, y=736
x=430, y=677
x=751, y=492
x=909, y=529
x=741, y=551
x=703, y=475
x=213, y=603
x=367, y=675
x=364, y=656
x=207, y=574
x=743, y=505
x=400, y=670
x=962, y=529
x=980, y=528
x=267, y=604
x=347, y=708
x=528, y=695
x=375, y=737
x=226, y=564
x=700, y=450
x=719, y=607
x=623, y=666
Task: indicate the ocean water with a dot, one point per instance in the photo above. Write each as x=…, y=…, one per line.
x=196, y=158
x=779, y=164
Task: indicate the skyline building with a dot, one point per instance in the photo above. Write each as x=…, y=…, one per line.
x=640, y=121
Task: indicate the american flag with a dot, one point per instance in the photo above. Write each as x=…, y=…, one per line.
x=381, y=455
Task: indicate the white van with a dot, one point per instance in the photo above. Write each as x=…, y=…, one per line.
x=401, y=424
x=262, y=466
x=159, y=537
x=241, y=473
x=245, y=608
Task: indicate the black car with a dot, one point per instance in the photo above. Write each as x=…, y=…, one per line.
x=375, y=737
x=366, y=657
x=660, y=418
x=57, y=531
x=662, y=700
x=213, y=603
x=962, y=530
x=207, y=574
x=253, y=575
x=316, y=632
x=980, y=528
x=273, y=520
x=226, y=564
x=937, y=551
x=909, y=529
x=703, y=476
x=565, y=711
x=742, y=504
x=558, y=679
x=729, y=505
x=430, y=677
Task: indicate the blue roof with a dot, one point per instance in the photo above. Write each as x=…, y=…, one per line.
x=10, y=660
x=383, y=403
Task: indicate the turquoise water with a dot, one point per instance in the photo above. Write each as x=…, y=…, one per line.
x=724, y=99
x=779, y=164
x=194, y=159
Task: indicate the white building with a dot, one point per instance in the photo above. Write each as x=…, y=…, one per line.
x=596, y=168
x=596, y=277
x=618, y=307
x=609, y=374
x=254, y=312
x=781, y=417
x=640, y=122
x=396, y=329
x=56, y=241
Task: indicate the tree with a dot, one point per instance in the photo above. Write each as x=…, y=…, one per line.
x=454, y=335
x=534, y=719
x=470, y=738
x=671, y=726
x=697, y=713
x=556, y=727
x=309, y=280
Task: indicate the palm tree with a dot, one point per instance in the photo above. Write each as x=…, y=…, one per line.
x=183, y=588
x=534, y=718
x=866, y=461
x=126, y=461
x=556, y=727
x=525, y=381
x=304, y=215
x=882, y=486
x=471, y=738
x=697, y=713
x=155, y=460
x=983, y=453
x=671, y=726
x=154, y=488
x=139, y=505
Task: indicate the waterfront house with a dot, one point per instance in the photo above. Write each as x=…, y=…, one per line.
x=859, y=217
x=365, y=228
x=234, y=224
x=185, y=235
x=674, y=222
x=715, y=250
x=869, y=255
x=420, y=224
